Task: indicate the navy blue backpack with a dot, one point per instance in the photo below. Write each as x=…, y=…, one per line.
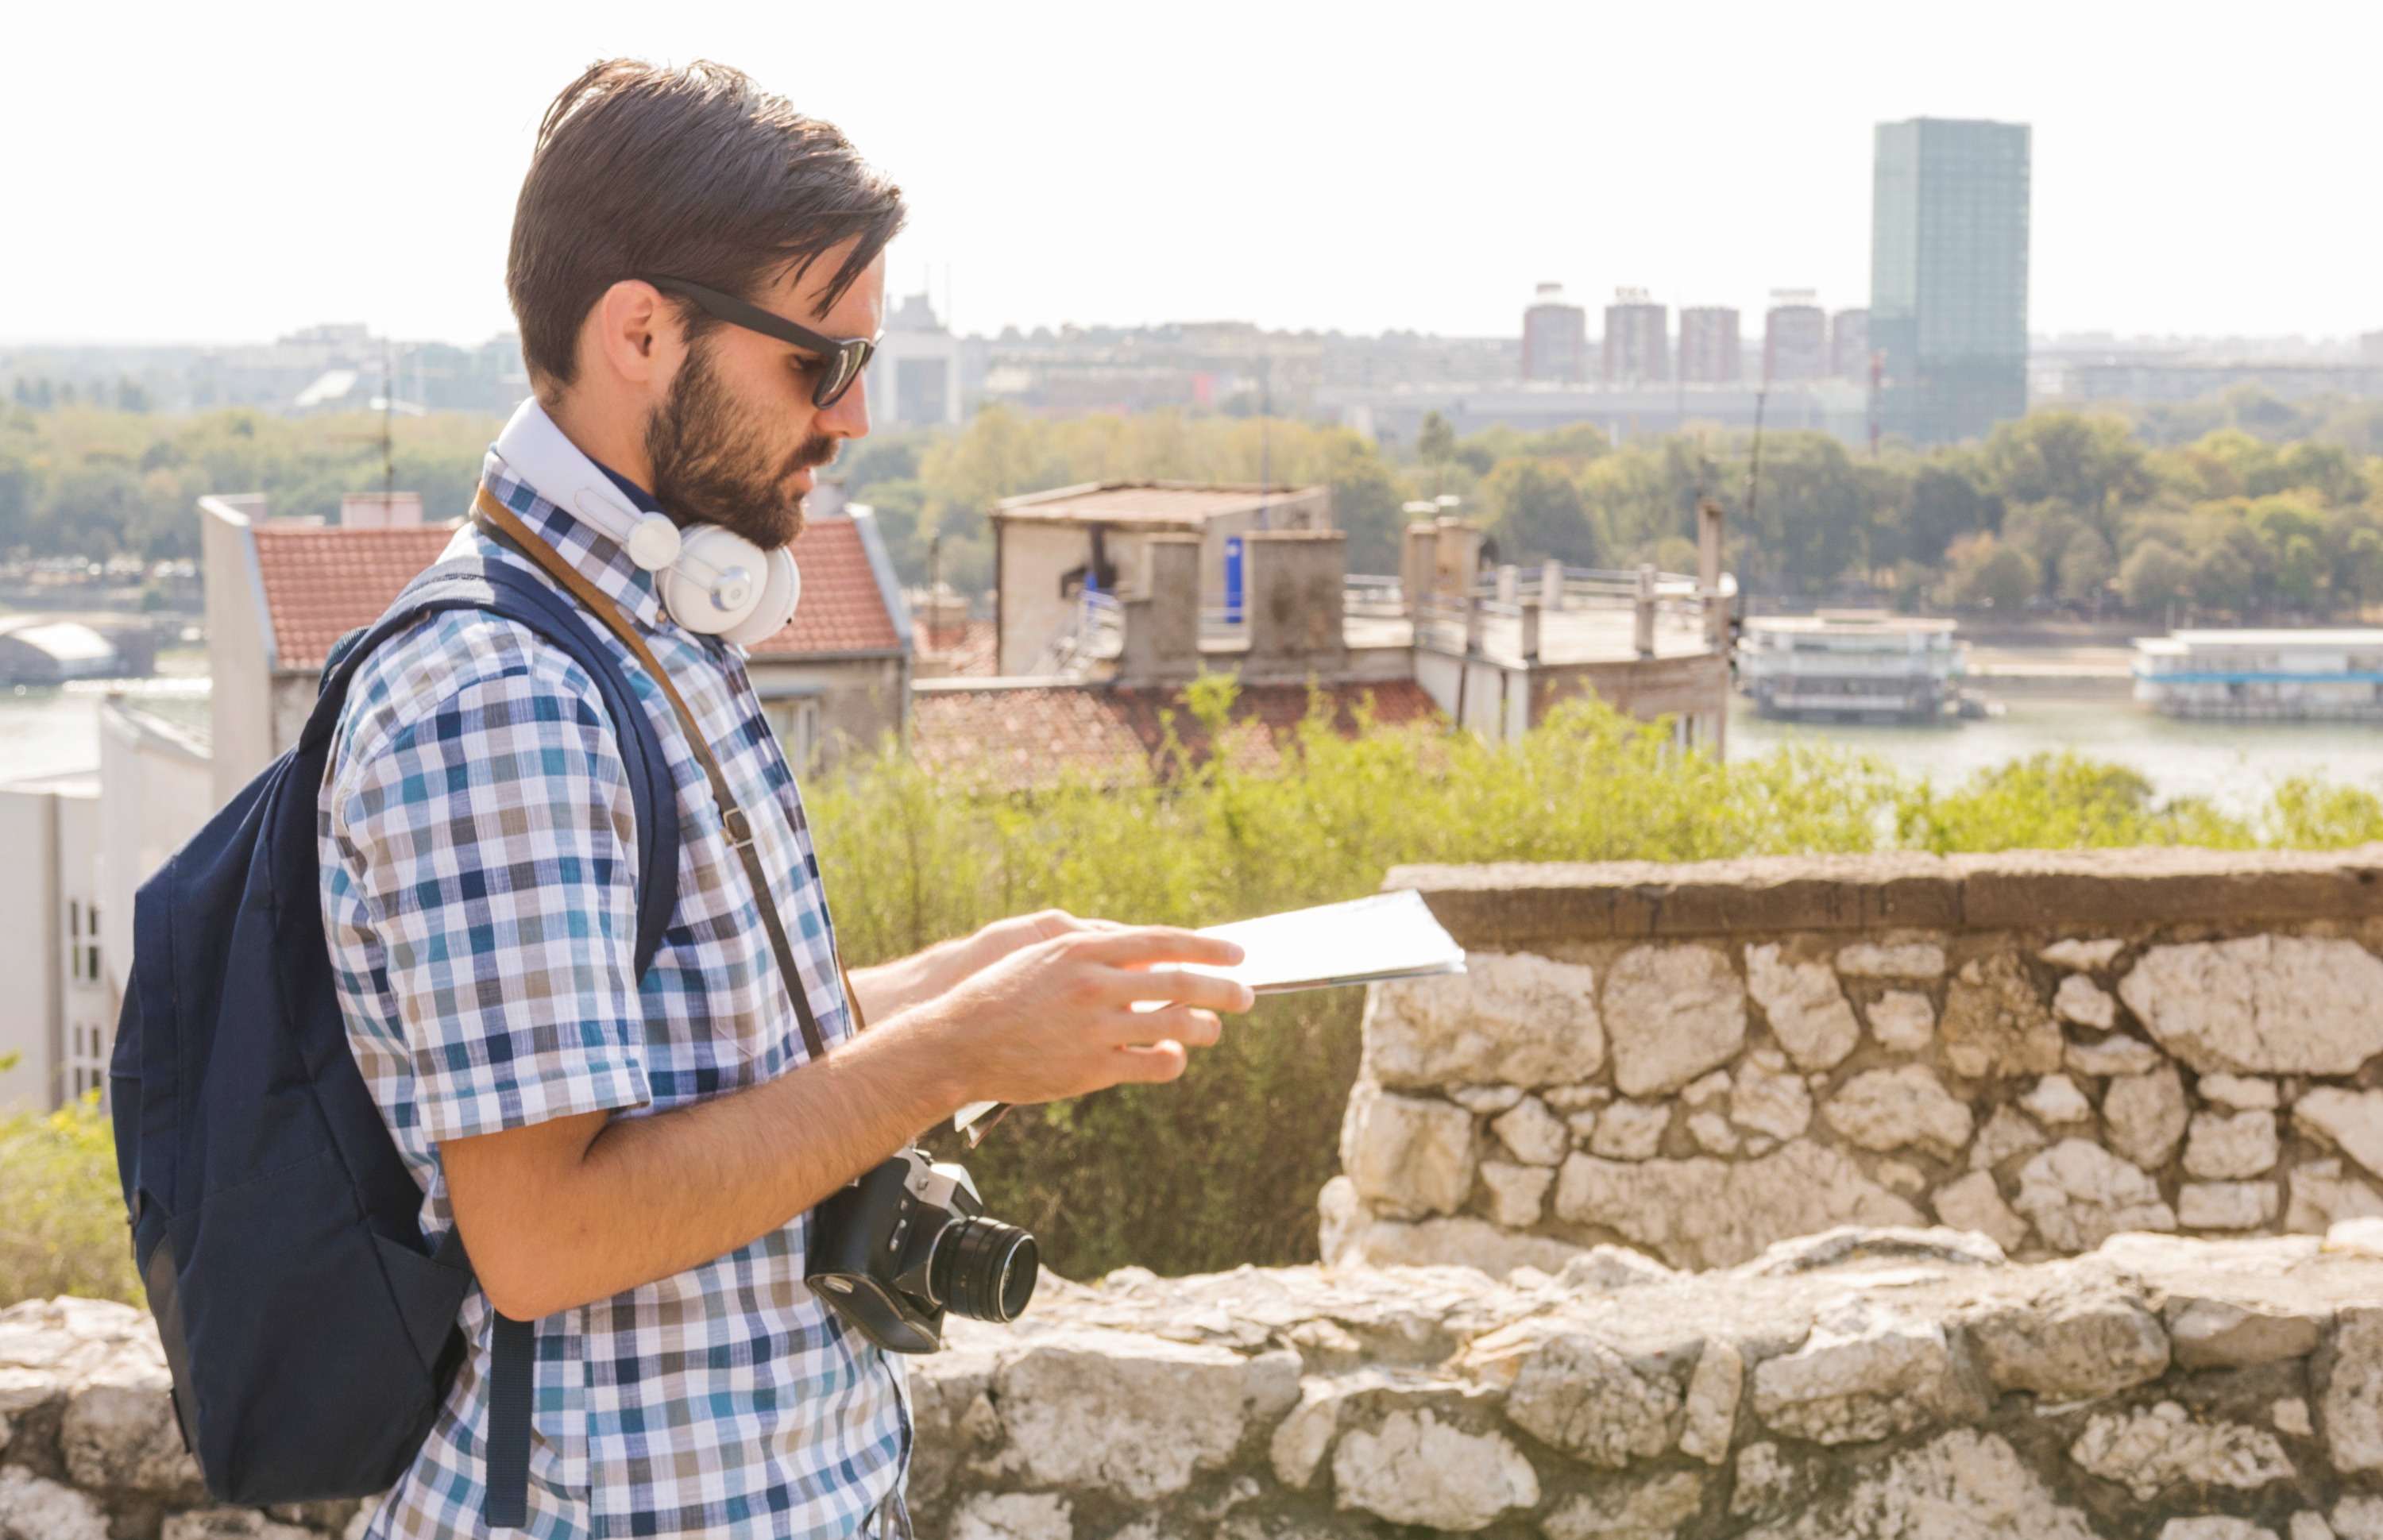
x=310, y=1330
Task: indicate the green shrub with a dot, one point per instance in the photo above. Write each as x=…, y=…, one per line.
x=1222, y=1168
x=61, y=1213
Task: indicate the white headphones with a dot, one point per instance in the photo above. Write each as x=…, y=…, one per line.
x=711, y=580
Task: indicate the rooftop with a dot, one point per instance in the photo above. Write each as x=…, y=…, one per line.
x=2179, y=641
x=1028, y=735
x=1165, y=504
x=322, y=582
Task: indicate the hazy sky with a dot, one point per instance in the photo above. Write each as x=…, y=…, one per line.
x=232, y=171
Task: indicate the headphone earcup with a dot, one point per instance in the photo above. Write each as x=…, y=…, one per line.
x=781, y=589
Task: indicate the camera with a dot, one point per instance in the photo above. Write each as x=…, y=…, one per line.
x=908, y=1241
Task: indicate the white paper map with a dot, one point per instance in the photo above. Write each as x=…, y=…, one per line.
x=1368, y=940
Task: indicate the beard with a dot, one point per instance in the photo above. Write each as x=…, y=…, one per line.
x=713, y=464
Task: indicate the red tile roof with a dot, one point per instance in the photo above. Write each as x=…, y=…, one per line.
x=321, y=584
x=842, y=608
x=1033, y=734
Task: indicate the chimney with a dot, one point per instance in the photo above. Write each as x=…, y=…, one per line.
x=1297, y=585
x=1643, y=617
x=1419, y=561
x=1161, y=621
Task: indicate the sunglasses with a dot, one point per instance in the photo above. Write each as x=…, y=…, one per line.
x=841, y=361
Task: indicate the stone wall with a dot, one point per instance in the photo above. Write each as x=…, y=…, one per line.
x=1698, y=1061
x=1860, y=1385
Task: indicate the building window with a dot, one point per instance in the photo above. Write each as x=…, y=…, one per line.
x=796, y=725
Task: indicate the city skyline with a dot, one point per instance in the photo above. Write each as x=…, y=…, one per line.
x=1065, y=164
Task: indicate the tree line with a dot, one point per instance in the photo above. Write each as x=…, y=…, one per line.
x=2267, y=511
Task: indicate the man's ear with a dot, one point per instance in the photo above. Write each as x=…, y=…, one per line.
x=632, y=334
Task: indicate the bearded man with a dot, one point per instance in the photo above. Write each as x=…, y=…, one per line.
x=631, y=1161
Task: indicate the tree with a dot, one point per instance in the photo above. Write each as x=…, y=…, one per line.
x=1949, y=497
x=1988, y=575
x=1435, y=445
x=2087, y=461
x=2155, y=574
x=1534, y=511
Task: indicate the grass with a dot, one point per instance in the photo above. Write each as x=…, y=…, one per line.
x=1222, y=1168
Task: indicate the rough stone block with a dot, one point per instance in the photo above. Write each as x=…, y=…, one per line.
x=1768, y=1100
x=1973, y=1202
x=1462, y=1241
x=2085, y=956
x=2150, y=1450
x=1674, y=1013
x=2241, y=1092
x=1995, y=1025
x=1406, y=1153
x=2076, y=1341
x=1013, y=1516
x=2056, y=1101
x=32, y=1508
x=1537, y=1136
x=1709, y=1417
x=1903, y=1021
x=1889, y=1109
x=1705, y=1212
x=2145, y=1115
x=2078, y=1195
x=2006, y=1134
x=2118, y=1054
x=1516, y=1192
x=1630, y=1130
x=1485, y=1101
x=1864, y=1373
x=1898, y=960
x=1416, y=1470
x=1963, y=1485
x=2351, y=1407
x=2225, y=1146
x=1131, y=1413
x=1574, y=1392
x=2322, y=1197
x=2225, y=1205
x=1509, y=1018
x=2352, y=1121
x=1712, y=1133
x=2224, y=1334
x=2262, y=1005
x=2081, y=1000
x=1806, y=1008
x=1649, y=1509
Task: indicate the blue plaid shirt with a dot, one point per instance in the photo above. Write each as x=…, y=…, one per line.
x=478, y=857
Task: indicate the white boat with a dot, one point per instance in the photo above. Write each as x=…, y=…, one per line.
x=2332, y=675
x=1863, y=665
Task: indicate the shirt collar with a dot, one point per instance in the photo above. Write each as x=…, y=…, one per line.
x=596, y=554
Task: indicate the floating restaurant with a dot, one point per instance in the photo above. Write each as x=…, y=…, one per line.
x=2263, y=675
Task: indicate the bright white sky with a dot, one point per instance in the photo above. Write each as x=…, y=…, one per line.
x=230, y=172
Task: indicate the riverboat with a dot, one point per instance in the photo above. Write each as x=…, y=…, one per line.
x=2315, y=675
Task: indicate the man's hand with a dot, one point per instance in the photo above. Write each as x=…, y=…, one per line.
x=578, y=1209
x=889, y=988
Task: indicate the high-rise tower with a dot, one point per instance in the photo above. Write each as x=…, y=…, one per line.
x=1948, y=276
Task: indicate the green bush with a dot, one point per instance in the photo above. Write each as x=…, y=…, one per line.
x=61, y=1213
x=1222, y=1168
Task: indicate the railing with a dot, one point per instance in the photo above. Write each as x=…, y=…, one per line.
x=1093, y=633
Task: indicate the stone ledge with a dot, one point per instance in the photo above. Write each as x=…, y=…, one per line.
x=1517, y=905
x=1857, y=1384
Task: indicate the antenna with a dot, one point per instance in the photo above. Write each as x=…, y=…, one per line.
x=387, y=424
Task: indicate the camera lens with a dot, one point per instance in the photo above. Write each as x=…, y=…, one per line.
x=984, y=1269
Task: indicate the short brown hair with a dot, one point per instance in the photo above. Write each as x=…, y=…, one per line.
x=692, y=173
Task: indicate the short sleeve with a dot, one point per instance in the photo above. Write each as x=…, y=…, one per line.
x=490, y=842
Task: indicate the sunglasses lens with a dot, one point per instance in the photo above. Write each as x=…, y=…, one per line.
x=842, y=370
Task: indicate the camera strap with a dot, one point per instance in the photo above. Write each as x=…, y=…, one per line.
x=503, y=525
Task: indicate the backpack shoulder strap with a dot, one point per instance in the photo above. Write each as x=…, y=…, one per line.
x=476, y=583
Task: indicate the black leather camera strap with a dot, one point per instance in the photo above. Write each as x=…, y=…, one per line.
x=504, y=524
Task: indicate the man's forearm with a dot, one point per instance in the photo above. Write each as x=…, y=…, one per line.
x=619, y=1201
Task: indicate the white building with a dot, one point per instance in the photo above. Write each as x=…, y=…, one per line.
x=57, y=1015
x=914, y=380
x=2263, y=675
x=1850, y=663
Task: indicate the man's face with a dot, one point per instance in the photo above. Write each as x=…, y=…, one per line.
x=736, y=438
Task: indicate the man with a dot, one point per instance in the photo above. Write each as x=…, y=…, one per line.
x=632, y=1164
